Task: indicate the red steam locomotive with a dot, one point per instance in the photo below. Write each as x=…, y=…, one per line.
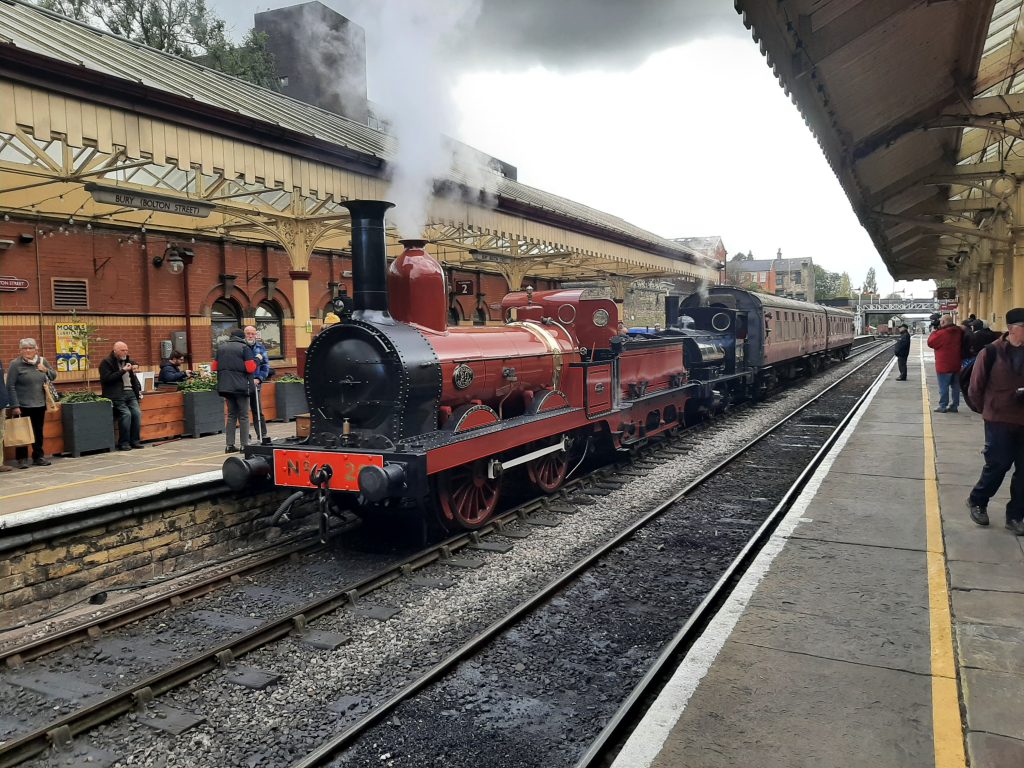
x=407, y=412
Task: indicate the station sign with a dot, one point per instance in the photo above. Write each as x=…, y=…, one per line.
x=464, y=288
x=10, y=284
x=148, y=201
x=948, y=307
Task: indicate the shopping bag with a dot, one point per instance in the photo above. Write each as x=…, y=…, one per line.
x=50, y=393
x=19, y=432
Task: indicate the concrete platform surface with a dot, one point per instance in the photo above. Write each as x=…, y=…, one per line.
x=72, y=481
x=830, y=651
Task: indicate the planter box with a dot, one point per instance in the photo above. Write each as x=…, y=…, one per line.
x=204, y=413
x=87, y=427
x=290, y=399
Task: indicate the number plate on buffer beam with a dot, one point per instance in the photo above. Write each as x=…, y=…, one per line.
x=294, y=467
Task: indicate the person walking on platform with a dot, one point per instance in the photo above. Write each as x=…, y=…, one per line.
x=5, y=402
x=902, y=351
x=998, y=387
x=947, y=341
x=235, y=365
x=259, y=353
x=124, y=390
x=26, y=377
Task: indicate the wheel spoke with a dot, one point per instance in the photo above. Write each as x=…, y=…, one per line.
x=467, y=496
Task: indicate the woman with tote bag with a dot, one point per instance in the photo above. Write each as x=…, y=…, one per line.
x=26, y=377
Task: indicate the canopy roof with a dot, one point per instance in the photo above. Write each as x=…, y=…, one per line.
x=916, y=105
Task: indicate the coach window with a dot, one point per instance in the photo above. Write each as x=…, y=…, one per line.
x=224, y=315
x=268, y=323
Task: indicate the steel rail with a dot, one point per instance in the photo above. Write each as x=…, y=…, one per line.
x=16, y=655
x=672, y=654
x=329, y=748
x=20, y=749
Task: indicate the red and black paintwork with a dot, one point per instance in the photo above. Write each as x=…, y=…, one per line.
x=404, y=408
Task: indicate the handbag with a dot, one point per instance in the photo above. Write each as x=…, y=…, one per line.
x=19, y=432
x=52, y=396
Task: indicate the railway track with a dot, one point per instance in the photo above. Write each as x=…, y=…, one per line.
x=297, y=622
x=14, y=654
x=428, y=699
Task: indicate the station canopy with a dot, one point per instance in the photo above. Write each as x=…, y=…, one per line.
x=918, y=108
x=86, y=116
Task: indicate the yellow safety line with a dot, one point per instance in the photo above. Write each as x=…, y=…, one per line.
x=104, y=477
x=947, y=726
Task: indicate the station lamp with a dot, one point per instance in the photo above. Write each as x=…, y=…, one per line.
x=175, y=258
x=1003, y=185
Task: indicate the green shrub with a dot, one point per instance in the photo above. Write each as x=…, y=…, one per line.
x=82, y=396
x=288, y=377
x=199, y=384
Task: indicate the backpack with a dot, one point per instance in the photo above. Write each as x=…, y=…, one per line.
x=965, y=377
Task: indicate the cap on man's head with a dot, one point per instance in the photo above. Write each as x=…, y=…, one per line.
x=1015, y=316
x=903, y=326
x=237, y=333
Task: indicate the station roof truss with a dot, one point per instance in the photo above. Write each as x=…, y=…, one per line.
x=79, y=106
x=918, y=107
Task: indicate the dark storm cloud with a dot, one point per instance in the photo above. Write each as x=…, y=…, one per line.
x=585, y=34
x=558, y=34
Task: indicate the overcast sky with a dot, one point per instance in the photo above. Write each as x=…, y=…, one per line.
x=662, y=112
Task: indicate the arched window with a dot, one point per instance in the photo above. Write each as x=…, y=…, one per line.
x=270, y=327
x=454, y=311
x=224, y=315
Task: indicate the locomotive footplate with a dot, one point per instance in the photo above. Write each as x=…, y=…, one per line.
x=374, y=474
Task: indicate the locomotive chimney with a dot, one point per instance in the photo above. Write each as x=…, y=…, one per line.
x=418, y=289
x=369, y=259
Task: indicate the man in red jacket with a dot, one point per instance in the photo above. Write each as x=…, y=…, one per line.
x=947, y=340
x=999, y=388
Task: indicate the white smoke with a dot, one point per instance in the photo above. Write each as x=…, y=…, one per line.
x=477, y=173
x=702, y=291
x=414, y=97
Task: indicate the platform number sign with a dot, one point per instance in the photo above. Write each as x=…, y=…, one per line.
x=464, y=288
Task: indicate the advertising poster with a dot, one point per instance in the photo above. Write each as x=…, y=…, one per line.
x=72, y=351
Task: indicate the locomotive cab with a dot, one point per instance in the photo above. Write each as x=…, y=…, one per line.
x=584, y=312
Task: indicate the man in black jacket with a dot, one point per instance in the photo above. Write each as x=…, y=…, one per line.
x=902, y=352
x=981, y=338
x=170, y=371
x=122, y=387
x=235, y=365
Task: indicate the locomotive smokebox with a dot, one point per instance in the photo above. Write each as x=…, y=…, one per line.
x=418, y=289
x=369, y=259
